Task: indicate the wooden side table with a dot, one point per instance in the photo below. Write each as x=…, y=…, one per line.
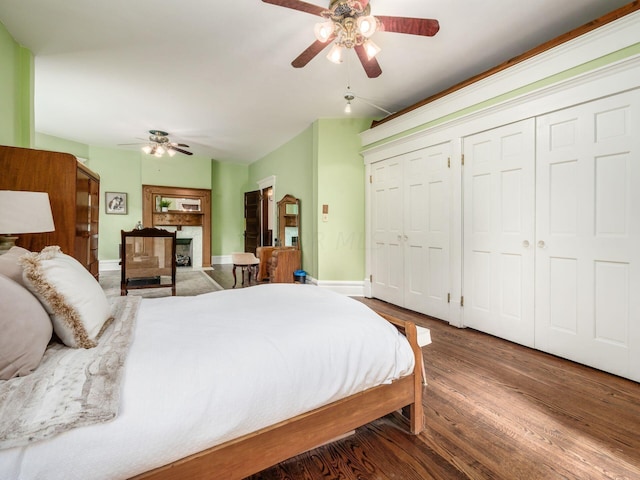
x=247, y=262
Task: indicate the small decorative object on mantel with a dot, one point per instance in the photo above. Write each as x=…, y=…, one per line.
x=115, y=203
x=165, y=204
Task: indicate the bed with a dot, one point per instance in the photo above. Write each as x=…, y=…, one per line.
x=226, y=384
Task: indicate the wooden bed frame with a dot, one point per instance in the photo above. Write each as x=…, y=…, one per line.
x=252, y=453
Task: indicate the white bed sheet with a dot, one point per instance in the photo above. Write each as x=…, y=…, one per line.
x=203, y=370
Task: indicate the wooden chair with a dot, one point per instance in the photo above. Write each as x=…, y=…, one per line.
x=148, y=259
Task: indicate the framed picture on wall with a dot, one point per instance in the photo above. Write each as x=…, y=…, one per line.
x=115, y=203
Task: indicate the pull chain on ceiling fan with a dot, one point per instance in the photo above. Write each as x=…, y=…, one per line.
x=349, y=25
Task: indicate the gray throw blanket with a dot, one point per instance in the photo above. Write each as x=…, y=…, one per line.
x=71, y=387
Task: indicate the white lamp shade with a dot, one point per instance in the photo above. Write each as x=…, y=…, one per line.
x=25, y=212
x=371, y=48
x=367, y=25
x=324, y=30
x=335, y=54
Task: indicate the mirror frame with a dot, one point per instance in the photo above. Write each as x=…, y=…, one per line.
x=284, y=218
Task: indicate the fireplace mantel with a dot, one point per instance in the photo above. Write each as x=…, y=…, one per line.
x=152, y=216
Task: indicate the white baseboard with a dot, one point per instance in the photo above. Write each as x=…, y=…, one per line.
x=109, y=265
x=220, y=259
x=348, y=288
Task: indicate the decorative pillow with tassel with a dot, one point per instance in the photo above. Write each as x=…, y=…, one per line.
x=76, y=303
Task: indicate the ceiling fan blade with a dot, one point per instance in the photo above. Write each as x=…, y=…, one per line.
x=371, y=66
x=298, y=5
x=414, y=26
x=314, y=49
x=177, y=149
x=126, y=144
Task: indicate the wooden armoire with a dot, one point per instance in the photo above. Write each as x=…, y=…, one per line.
x=74, y=193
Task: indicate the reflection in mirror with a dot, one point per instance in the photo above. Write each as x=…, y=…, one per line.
x=289, y=221
x=182, y=204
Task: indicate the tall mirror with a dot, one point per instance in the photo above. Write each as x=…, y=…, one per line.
x=289, y=222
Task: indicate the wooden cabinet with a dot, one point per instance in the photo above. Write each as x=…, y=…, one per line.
x=74, y=193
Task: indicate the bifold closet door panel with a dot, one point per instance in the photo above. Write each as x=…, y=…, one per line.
x=387, y=255
x=499, y=231
x=410, y=258
x=588, y=234
x=426, y=230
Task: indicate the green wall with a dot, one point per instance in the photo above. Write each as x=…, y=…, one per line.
x=340, y=186
x=228, y=183
x=55, y=144
x=322, y=166
x=292, y=165
x=16, y=92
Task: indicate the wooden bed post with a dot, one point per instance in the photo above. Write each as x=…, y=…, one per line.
x=415, y=411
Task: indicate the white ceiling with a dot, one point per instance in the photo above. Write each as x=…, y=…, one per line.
x=217, y=74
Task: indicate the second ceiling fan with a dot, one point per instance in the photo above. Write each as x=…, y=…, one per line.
x=349, y=24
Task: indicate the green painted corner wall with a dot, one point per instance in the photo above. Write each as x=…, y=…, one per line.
x=292, y=165
x=228, y=183
x=340, y=186
x=16, y=92
x=322, y=166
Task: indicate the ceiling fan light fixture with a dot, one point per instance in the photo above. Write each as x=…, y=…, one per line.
x=371, y=48
x=367, y=25
x=335, y=54
x=147, y=149
x=324, y=30
x=347, y=107
x=171, y=152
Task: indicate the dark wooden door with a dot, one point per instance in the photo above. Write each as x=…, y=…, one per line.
x=251, y=221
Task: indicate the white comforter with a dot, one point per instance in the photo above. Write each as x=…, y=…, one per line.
x=203, y=370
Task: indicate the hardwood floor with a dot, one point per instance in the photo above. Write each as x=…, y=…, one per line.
x=493, y=410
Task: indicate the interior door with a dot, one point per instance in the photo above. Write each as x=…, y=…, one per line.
x=387, y=257
x=499, y=222
x=410, y=221
x=426, y=230
x=588, y=229
x=251, y=221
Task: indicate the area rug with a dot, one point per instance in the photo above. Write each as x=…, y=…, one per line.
x=189, y=283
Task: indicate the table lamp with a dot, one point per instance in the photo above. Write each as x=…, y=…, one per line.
x=23, y=212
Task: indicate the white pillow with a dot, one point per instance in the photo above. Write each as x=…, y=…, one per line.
x=75, y=301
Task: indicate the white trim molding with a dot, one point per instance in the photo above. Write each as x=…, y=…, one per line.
x=347, y=288
x=591, y=46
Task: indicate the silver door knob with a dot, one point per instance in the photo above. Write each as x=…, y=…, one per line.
x=526, y=244
x=541, y=244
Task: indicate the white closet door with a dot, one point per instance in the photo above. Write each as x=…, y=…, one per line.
x=387, y=256
x=588, y=228
x=499, y=222
x=426, y=230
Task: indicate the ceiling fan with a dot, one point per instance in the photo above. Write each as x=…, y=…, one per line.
x=159, y=144
x=350, y=24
